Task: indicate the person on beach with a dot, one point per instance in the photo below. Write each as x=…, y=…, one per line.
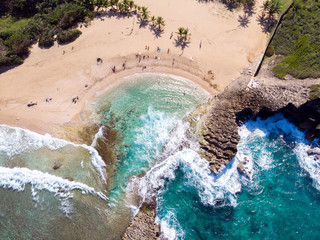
x=171, y=35
x=200, y=44
x=124, y=66
x=168, y=51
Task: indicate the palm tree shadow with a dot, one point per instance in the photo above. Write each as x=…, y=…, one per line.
x=157, y=32
x=244, y=20
x=264, y=22
x=249, y=9
x=143, y=24
x=230, y=5
x=181, y=44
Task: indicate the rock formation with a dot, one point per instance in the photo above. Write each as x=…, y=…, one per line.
x=143, y=226
x=241, y=168
x=239, y=103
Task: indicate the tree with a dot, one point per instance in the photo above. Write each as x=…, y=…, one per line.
x=99, y=4
x=153, y=20
x=271, y=7
x=180, y=33
x=144, y=14
x=183, y=34
x=160, y=23
x=131, y=5
x=114, y=3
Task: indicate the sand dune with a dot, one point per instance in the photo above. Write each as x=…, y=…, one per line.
x=62, y=72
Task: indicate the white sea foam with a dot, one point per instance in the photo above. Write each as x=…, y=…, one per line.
x=14, y=141
x=18, y=178
x=213, y=190
x=150, y=138
x=99, y=134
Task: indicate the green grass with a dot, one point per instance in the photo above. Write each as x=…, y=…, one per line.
x=314, y=92
x=12, y=24
x=284, y=5
x=298, y=39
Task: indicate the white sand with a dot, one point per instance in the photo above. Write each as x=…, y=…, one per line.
x=226, y=48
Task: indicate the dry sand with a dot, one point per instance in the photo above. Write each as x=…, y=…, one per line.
x=61, y=72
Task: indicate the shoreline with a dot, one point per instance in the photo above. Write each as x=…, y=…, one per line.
x=62, y=71
x=109, y=80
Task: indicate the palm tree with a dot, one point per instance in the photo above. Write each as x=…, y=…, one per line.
x=153, y=20
x=186, y=34
x=125, y=5
x=144, y=14
x=131, y=5
x=99, y=4
x=180, y=33
x=106, y=3
x=114, y=3
x=160, y=23
x=183, y=34
x=265, y=6
x=274, y=8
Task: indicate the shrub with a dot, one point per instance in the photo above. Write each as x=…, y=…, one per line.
x=19, y=44
x=314, y=92
x=8, y=61
x=46, y=39
x=71, y=15
x=68, y=36
x=280, y=71
x=270, y=51
x=5, y=34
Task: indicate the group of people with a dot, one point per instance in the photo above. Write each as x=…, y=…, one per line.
x=75, y=99
x=99, y=60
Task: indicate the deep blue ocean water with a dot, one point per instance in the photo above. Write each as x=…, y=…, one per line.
x=280, y=200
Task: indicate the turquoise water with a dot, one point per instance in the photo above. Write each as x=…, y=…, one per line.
x=158, y=156
x=280, y=202
x=145, y=109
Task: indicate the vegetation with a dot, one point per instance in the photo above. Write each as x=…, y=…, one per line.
x=23, y=22
x=314, y=92
x=160, y=23
x=298, y=40
x=183, y=35
x=271, y=8
x=68, y=36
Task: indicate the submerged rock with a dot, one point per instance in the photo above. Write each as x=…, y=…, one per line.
x=242, y=169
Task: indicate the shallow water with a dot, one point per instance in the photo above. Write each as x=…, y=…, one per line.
x=158, y=157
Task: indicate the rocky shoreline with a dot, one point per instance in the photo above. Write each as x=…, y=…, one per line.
x=240, y=102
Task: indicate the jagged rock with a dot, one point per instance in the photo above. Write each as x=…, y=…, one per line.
x=236, y=105
x=143, y=226
x=242, y=169
x=312, y=151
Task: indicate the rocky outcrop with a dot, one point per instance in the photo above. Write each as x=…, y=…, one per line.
x=241, y=168
x=239, y=103
x=143, y=226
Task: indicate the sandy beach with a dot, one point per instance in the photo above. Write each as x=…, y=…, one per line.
x=66, y=71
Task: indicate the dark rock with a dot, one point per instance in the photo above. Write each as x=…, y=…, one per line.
x=242, y=169
x=236, y=105
x=56, y=166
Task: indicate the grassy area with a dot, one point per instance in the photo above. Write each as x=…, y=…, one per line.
x=12, y=23
x=315, y=92
x=298, y=39
x=284, y=5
